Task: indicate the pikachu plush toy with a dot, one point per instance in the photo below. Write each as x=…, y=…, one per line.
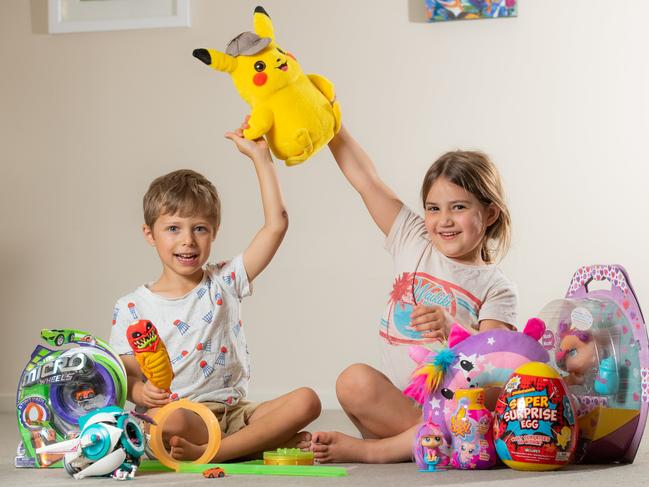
x=297, y=113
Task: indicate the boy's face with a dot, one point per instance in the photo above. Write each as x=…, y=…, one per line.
x=183, y=243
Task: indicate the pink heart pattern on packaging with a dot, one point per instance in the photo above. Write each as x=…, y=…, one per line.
x=586, y=404
x=598, y=272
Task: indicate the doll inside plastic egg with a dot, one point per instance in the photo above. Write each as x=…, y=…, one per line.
x=591, y=345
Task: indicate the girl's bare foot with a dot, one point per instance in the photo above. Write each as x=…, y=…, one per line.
x=336, y=447
x=181, y=449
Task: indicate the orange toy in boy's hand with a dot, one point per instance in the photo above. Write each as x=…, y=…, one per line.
x=151, y=353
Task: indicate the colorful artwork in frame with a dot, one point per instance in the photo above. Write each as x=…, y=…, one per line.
x=441, y=10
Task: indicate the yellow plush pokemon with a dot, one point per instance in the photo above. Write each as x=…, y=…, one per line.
x=297, y=113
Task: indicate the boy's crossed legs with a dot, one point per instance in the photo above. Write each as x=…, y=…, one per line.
x=273, y=424
x=386, y=419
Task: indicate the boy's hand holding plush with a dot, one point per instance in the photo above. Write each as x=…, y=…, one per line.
x=297, y=113
x=255, y=149
x=151, y=396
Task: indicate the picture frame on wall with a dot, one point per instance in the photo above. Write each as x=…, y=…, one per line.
x=105, y=15
x=444, y=10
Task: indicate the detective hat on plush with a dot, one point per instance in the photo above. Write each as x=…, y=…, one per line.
x=246, y=44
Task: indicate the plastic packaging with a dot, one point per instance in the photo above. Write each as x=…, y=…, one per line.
x=471, y=431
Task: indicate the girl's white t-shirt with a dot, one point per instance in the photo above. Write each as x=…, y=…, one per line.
x=424, y=276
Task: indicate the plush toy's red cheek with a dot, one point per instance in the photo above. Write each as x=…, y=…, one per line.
x=291, y=55
x=260, y=79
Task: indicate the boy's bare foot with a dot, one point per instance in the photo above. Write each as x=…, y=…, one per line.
x=336, y=447
x=301, y=440
x=181, y=449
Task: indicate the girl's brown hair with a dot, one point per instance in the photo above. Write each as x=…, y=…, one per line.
x=184, y=192
x=474, y=172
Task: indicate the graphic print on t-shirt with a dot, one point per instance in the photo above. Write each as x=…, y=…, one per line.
x=411, y=289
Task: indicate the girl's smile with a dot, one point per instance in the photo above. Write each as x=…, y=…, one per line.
x=456, y=221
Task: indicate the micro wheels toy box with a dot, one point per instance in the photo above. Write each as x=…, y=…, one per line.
x=78, y=375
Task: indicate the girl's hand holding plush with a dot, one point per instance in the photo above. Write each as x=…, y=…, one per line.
x=431, y=321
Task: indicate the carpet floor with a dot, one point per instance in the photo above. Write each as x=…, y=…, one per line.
x=358, y=474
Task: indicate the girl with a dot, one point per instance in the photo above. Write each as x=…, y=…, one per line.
x=444, y=274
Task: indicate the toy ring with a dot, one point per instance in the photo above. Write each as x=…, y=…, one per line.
x=213, y=431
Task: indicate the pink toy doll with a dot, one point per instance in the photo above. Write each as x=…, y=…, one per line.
x=466, y=455
x=428, y=448
x=577, y=354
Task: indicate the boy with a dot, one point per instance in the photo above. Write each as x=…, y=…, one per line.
x=196, y=312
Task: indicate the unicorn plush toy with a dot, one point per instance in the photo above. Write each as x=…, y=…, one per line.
x=297, y=113
x=484, y=360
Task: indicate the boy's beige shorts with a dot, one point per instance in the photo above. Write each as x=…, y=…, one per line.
x=232, y=418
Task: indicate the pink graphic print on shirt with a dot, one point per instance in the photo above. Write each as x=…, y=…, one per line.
x=411, y=289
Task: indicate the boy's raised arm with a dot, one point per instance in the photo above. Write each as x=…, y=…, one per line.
x=268, y=239
x=382, y=203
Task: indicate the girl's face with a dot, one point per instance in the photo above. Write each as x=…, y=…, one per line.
x=456, y=221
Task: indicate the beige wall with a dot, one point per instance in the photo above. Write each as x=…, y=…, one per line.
x=558, y=96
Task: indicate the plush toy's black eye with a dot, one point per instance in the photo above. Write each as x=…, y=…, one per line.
x=260, y=66
x=136, y=334
x=466, y=365
x=281, y=50
x=447, y=393
x=148, y=325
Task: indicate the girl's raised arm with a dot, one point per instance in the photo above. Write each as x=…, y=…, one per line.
x=382, y=203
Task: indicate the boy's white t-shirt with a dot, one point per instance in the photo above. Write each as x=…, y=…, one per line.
x=202, y=331
x=425, y=276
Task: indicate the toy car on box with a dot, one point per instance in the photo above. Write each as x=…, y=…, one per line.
x=57, y=337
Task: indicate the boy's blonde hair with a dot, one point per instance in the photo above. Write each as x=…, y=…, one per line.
x=474, y=172
x=184, y=192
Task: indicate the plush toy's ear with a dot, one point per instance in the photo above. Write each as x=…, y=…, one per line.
x=262, y=24
x=216, y=60
x=534, y=328
x=458, y=333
